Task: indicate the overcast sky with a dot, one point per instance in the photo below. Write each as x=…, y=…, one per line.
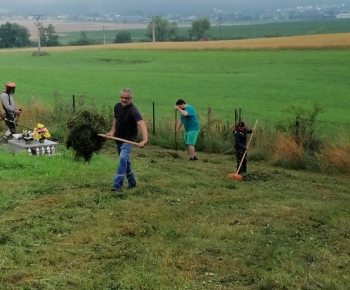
x=151, y=6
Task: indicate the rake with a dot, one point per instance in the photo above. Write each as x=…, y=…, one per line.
x=236, y=176
x=118, y=139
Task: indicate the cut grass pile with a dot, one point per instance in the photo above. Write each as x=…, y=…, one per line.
x=185, y=226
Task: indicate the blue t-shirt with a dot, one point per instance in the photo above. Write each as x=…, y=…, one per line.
x=190, y=122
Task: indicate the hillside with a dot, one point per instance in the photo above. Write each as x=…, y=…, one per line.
x=185, y=226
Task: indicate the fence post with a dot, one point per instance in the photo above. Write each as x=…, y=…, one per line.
x=209, y=114
x=154, y=120
x=73, y=104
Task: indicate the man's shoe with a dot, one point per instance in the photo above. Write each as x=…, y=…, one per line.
x=130, y=186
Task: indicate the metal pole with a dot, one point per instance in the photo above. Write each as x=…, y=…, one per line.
x=153, y=31
x=154, y=120
x=175, y=130
x=73, y=104
x=104, y=35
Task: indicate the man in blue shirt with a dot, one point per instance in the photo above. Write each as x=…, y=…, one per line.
x=189, y=119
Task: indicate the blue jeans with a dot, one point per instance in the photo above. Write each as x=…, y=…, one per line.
x=124, y=166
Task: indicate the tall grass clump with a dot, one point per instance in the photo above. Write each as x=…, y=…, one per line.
x=55, y=116
x=335, y=157
x=215, y=135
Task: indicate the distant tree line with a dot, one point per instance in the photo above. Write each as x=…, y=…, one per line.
x=14, y=35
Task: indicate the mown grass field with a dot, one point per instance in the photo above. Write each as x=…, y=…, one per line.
x=262, y=83
x=186, y=226
x=246, y=29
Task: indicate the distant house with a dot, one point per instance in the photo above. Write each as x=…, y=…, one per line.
x=343, y=15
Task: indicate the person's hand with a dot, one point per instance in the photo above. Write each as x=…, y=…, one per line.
x=18, y=112
x=142, y=144
x=109, y=134
x=176, y=108
x=175, y=131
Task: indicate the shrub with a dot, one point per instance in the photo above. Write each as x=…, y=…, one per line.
x=123, y=37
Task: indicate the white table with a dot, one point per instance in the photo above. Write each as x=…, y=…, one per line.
x=34, y=148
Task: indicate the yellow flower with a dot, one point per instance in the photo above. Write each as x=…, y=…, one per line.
x=40, y=126
x=47, y=134
x=36, y=136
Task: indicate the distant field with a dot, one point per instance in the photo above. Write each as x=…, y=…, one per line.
x=262, y=83
x=70, y=30
x=246, y=29
x=320, y=41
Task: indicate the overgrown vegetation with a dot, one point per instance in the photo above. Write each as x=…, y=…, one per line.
x=296, y=143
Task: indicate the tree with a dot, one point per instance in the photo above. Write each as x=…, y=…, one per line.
x=48, y=36
x=200, y=27
x=164, y=30
x=123, y=37
x=13, y=35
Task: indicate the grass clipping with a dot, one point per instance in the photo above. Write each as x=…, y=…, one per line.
x=83, y=128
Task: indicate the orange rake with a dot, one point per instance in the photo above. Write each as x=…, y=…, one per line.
x=236, y=176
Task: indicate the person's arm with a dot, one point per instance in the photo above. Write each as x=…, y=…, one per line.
x=182, y=112
x=144, y=133
x=114, y=125
x=250, y=131
x=6, y=103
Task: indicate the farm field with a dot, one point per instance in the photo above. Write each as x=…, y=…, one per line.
x=186, y=226
x=231, y=30
x=262, y=83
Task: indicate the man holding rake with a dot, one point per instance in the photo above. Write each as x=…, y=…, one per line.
x=126, y=120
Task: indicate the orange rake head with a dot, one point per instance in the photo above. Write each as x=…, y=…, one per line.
x=235, y=176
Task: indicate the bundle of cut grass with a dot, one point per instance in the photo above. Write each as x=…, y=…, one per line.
x=83, y=128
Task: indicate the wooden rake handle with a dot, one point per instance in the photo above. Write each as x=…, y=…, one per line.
x=118, y=139
x=246, y=149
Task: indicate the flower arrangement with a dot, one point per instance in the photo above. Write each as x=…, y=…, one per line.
x=27, y=136
x=40, y=132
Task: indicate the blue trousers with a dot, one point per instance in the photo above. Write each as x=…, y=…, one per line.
x=124, y=166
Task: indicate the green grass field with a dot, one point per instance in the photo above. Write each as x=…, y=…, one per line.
x=186, y=226
x=262, y=83
x=256, y=29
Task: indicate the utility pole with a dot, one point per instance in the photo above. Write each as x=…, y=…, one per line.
x=153, y=29
x=38, y=24
x=104, y=35
x=220, y=21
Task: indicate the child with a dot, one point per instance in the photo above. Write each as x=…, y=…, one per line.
x=240, y=135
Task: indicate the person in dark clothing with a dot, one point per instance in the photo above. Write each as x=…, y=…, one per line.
x=127, y=119
x=240, y=144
